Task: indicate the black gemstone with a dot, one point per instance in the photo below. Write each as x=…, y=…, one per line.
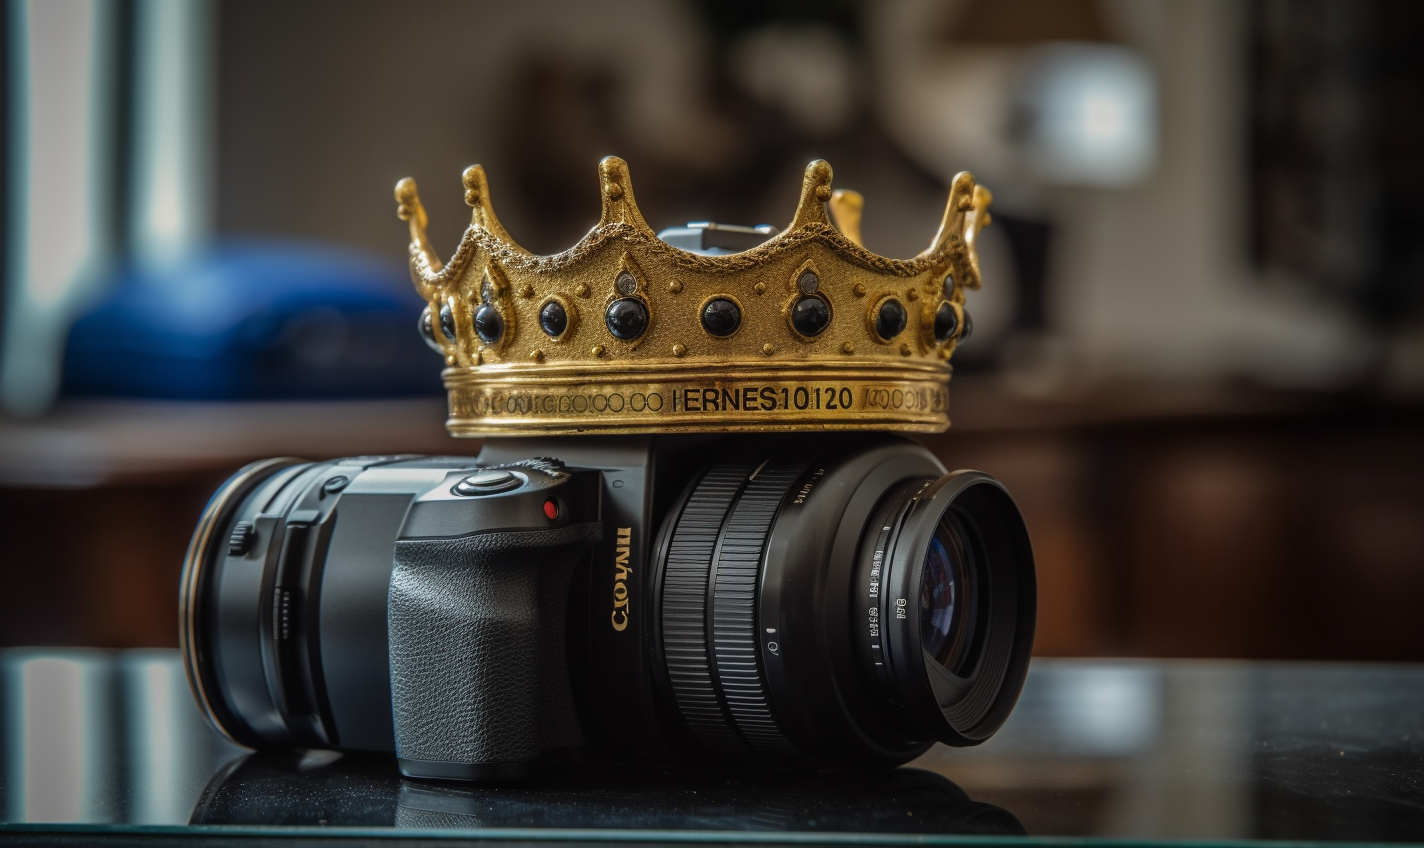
x=554, y=319
x=489, y=324
x=968, y=326
x=627, y=318
x=721, y=317
x=948, y=285
x=447, y=322
x=427, y=331
x=810, y=316
x=946, y=322
x=890, y=320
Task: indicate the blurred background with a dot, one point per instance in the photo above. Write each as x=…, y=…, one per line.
x=1198, y=357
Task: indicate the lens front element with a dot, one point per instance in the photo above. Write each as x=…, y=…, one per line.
x=941, y=594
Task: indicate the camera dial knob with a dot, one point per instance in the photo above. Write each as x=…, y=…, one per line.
x=487, y=482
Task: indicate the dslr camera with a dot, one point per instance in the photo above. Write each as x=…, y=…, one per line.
x=692, y=531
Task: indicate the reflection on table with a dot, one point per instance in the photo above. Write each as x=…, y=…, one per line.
x=323, y=789
x=1122, y=749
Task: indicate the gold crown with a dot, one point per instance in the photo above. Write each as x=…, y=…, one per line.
x=625, y=333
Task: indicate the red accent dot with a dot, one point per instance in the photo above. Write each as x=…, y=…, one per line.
x=551, y=509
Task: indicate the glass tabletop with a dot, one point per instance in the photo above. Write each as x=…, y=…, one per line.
x=101, y=743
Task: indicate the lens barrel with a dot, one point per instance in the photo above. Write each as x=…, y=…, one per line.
x=843, y=606
x=238, y=701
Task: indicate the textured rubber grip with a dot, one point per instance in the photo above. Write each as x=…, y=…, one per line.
x=733, y=618
x=478, y=674
x=684, y=604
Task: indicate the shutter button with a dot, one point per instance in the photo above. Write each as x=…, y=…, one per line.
x=487, y=482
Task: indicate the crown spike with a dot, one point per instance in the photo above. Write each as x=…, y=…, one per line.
x=976, y=219
x=964, y=215
x=961, y=196
x=619, y=206
x=815, y=191
x=846, y=206
x=477, y=196
x=409, y=208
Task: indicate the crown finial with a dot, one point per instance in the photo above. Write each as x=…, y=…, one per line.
x=410, y=209
x=815, y=191
x=477, y=196
x=619, y=207
x=964, y=215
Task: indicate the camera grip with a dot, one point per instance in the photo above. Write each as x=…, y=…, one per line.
x=478, y=675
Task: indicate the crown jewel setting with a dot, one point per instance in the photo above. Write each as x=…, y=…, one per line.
x=626, y=333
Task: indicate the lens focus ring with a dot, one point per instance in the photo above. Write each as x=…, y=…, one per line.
x=684, y=602
x=735, y=643
x=709, y=606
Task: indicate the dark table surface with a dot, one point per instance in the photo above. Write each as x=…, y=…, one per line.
x=109, y=744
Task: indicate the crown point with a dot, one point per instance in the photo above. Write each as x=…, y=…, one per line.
x=759, y=288
x=450, y=360
x=848, y=347
x=859, y=290
x=912, y=294
x=815, y=191
x=768, y=348
x=537, y=355
x=527, y=291
x=581, y=290
x=406, y=197
x=675, y=287
x=904, y=350
x=473, y=178
x=679, y=350
x=612, y=173
x=597, y=350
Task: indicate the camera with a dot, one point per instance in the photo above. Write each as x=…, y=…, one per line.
x=691, y=533
x=811, y=600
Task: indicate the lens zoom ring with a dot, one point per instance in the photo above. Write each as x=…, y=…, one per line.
x=735, y=644
x=684, y=604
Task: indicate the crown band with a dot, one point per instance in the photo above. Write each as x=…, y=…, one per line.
x=626, y=333
x=574, y=400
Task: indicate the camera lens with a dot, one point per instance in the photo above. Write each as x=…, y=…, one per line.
x=850, y=603
x=941, y=591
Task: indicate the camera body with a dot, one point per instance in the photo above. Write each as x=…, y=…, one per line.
x=619, y=594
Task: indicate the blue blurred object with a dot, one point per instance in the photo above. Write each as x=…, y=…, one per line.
x=254, y=320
